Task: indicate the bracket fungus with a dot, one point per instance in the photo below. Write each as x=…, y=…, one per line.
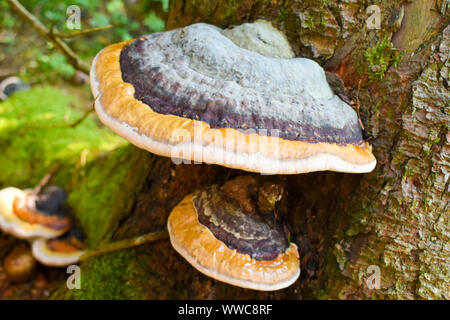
x=223, y=235
x=10, y=85
x=62, y=251
x=27, y=215
x=203, y=94
x=238, y=98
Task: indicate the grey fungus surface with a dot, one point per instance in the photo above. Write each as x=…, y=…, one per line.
x=196, y=94
x=200, y=74
x=261, y=37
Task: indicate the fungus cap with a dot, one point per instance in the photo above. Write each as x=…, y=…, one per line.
x=10, y=85
x=230, y=246
x=10, y=222
x=62, y=251
x=194, y=94
x=260, y=36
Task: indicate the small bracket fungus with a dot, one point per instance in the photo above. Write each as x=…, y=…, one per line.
x=226, y=239
x=27, y=215
x=235, y=98
x=10, y=85
x=260, y=36
x=62, y=251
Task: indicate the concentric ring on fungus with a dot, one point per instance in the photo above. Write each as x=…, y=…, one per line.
x=194, y=94
x=226, y=244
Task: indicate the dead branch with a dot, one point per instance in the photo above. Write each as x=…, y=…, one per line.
x=80, y=33
x=56, y=165
x=81, y=119
x=125, y=244
x=64, y=125
x=52, y=37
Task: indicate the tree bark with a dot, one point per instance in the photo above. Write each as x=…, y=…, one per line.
x=396, y=218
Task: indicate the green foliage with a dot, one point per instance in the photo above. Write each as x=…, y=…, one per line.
x=380, y=58
x=33, y=135
x=102, y=191
x=154, y=23
x=54, y=65
x=96, y=172
x=41, y=62
x=95, y=13
x=310, y=21
x=55, y=11
x=7, y=19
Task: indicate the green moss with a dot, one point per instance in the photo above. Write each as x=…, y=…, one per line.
x=380, y=58
x=408, y=173
x=97, y=172
x=231, y=8
x=106, y=193
x=111, y=276
x=93, y=198
x=31, y=138
x=33, y=134
x=427, y=147
x=310, y=22
x=101, y=200
x=283, y=12
x=334, y=259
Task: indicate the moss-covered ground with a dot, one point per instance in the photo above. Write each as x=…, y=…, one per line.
x=34, y=132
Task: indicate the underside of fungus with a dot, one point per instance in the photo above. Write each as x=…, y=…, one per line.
x=203, y=94
x=231, y=242
x=62, y=251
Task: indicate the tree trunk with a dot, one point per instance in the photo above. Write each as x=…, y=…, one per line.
x=396, y=218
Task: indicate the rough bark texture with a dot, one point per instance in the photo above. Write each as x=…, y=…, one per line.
x=396, y=217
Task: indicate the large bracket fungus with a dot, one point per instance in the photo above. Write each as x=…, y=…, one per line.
x=230, y=241
x=236, y=98
x=203, y=94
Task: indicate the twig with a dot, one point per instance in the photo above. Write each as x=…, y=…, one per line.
x=125, y=244
x=74, y=60
x=81, y=119
x=48, y=176
x=72, y=125
x=80, y=33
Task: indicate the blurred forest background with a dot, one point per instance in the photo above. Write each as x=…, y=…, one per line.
x=397, y=217
x=35, y=124
x=26, y=54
